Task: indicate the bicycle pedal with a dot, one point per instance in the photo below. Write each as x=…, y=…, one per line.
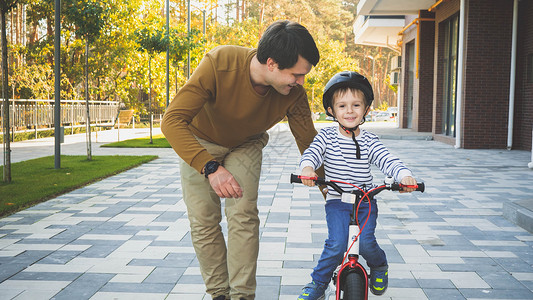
x=330, y=291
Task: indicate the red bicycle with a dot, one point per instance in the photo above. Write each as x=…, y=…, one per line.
x=351, y=278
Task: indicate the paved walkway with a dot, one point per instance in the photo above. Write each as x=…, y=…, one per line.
x=76, y=145
x=127, y=237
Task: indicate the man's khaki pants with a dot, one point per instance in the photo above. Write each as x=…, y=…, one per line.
x=226, y=271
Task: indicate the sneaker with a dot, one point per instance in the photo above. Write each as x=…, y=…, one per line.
x=313, y=291
x=379, y=280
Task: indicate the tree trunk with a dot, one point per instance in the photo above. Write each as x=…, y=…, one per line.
x=150, y=95
x=7, y=145
x=262, y=13
x=237, y=8
x=49, y=35
x=88, y=121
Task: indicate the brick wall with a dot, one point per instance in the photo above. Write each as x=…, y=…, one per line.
x=424, y=104
x=488, y=33
x=488, y=28
x=523, y=122
x=444, y=11
x=486, y=74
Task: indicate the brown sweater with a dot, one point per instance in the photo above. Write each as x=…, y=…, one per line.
x=219, y=104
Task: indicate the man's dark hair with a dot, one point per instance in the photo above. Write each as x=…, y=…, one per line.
x=283, y=41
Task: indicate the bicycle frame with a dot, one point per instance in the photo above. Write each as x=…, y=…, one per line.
x=350, y=262
x=351, y=259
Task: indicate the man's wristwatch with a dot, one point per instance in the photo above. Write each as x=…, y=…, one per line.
x=211, y=167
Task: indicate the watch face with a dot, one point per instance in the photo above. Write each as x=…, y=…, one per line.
x=211, y=167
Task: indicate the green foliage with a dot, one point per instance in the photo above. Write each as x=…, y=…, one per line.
x=178, y=44
x=158, y=141
x=33, y=82
x=87, y=16
x=123, y=34
x=245, y=33
x=383, y=106
x=332, y=60
x=151, y=40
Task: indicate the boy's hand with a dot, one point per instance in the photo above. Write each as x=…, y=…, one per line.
x=408, y=180
x=308, y=172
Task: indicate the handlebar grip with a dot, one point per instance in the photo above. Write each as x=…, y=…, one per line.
x=295, y=179
x=398, y=187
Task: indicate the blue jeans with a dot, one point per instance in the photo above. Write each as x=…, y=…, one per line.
x=338, y=220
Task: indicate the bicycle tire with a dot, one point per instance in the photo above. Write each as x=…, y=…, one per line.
x=354, y=287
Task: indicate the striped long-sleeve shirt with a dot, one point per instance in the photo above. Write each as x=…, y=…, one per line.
x=338, y=154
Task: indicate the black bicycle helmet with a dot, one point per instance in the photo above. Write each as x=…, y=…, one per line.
x=347, y=79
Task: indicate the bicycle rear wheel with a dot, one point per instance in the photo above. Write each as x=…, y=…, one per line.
x=354, y=287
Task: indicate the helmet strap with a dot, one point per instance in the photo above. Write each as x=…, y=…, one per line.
x=352, y=131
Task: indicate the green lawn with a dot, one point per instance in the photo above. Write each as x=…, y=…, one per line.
x=159, y=141
x=36, y=180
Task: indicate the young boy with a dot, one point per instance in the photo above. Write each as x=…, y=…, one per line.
x=347, y=153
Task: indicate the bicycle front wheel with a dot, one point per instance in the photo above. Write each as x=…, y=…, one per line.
x=354, y=287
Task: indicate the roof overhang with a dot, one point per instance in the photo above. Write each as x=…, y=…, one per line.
x=378, y=22
x=392, y=7
x=378, y=30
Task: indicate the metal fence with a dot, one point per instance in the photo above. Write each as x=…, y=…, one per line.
x=38, y=114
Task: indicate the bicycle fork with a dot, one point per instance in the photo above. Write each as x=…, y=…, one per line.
x=351, y=263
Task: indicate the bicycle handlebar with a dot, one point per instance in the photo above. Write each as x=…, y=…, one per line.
x=420, y=187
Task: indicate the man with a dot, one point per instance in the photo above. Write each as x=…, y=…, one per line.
x=217, y=124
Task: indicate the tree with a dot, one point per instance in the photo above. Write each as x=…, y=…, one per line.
x=179, y=43
x=152, y=41
x=88, y=17
x=116, y=74
x=5, y=7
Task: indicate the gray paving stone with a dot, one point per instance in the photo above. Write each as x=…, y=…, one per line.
x=84, y=287
x=444, y=294
x=59, y=257
x=9, y=269
x=513, y=265
x=165, y=275
x=99, y=250
x=522, y=294
x=267, y=292
x=278, y=217
x=29, y=257
x=443, y=244
x=137, y=287
x=52, y=276
x=501, y=280
x=268, y=280
x=435, y=284
x=190, y=279
x=273, y=240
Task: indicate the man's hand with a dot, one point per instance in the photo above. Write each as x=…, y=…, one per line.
x=224, y=184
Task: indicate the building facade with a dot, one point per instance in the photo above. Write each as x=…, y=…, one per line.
x=467, y=68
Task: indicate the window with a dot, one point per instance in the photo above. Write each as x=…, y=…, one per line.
x=451, y=40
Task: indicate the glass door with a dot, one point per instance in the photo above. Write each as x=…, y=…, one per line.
x=410, y=48
x=451, y=39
